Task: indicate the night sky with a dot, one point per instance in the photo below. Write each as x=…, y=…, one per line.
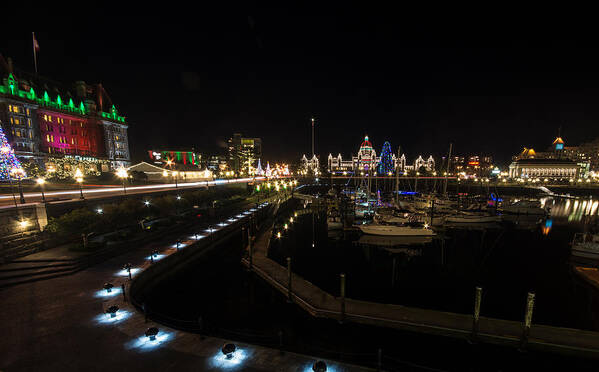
x=489, y=89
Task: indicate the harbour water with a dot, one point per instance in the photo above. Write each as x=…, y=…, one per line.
x=507, y=260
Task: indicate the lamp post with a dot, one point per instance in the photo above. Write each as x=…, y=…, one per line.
x=79, y=179
x=175, y=176
x=18, y=173
x=40, y=181
x=122, y=174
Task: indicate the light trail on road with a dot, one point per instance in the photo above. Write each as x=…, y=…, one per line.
x=133, y=189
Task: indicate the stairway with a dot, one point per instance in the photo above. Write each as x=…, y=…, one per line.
x=25, y=271
x=19, y=245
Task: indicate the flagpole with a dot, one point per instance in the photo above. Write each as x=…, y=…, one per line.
x=34, y=52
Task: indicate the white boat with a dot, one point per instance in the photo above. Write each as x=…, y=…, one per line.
x=373, y=229
x=525, y=207
x=393, y=241
x=586, y=246
x=472, y=218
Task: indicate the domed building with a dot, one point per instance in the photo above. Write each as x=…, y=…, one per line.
x=367, y=159
x=550, y=164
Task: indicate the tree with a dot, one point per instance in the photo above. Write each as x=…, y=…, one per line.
x=386, y=163
x=8, y=161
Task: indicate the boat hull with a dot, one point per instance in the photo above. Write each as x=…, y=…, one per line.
x=395, y=231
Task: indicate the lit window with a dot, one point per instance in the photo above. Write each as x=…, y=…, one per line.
x=28, y=112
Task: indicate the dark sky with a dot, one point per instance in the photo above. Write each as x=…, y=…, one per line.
x=490, y=88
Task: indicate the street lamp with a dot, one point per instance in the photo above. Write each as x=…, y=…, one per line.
x=79, y=179
x=175, y=174
x=122, y=174
x=40, y=181
x=18, y=173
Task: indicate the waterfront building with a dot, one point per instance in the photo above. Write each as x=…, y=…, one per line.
x=217, y=163
x=544, y=168
x=45, y=120
x=168, y=173
x=310, y=165
x=243, y=153
x=161, y=157
x=558, y=161
x=367, y=160
x=480, y=165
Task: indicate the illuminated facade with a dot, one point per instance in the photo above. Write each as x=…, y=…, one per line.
x=544, y=168
x=310, y=165
x=43, y=120
x=161, y=157
x=367, y=161
x=556, y=163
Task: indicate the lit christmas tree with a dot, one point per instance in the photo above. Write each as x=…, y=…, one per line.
x=386, y=161
x=8, y=162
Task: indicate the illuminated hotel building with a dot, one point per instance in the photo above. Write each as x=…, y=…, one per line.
x=44, y=121
x=552, y=164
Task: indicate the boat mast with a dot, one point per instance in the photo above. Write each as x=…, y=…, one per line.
x=447, y=172
x=397, y=176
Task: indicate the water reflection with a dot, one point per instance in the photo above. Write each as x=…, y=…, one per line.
x=572, y=209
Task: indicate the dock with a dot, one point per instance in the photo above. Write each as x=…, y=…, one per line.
x=319, y=303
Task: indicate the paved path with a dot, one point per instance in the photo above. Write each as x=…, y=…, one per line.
x=60, y=325
x=322, y=304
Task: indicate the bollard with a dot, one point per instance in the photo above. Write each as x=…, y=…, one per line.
x=530, y=304
x=477, y=300
x=342, y=291
x=124, y=296
x=251, y=250
x=152, y=258
x=178, y=243
x=288, y=279
x=281, y=341
x=379, y=363
x=129, y=271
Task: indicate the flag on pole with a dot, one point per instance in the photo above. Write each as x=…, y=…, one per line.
x=36, y=45
x=36, y=48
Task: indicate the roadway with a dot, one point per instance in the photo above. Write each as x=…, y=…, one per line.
x=7, y=200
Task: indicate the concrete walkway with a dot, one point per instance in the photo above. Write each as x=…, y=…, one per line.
x=60, y=324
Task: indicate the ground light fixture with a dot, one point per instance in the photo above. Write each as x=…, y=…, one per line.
x=108, y=287
x=319, y=366
x=151, y=333
x=228, y=350
x=147, y=202
x=112, y=310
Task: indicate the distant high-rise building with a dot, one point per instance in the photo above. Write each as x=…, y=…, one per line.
x=243, y=153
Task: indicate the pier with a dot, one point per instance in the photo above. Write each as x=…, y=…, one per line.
x=319, y=303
